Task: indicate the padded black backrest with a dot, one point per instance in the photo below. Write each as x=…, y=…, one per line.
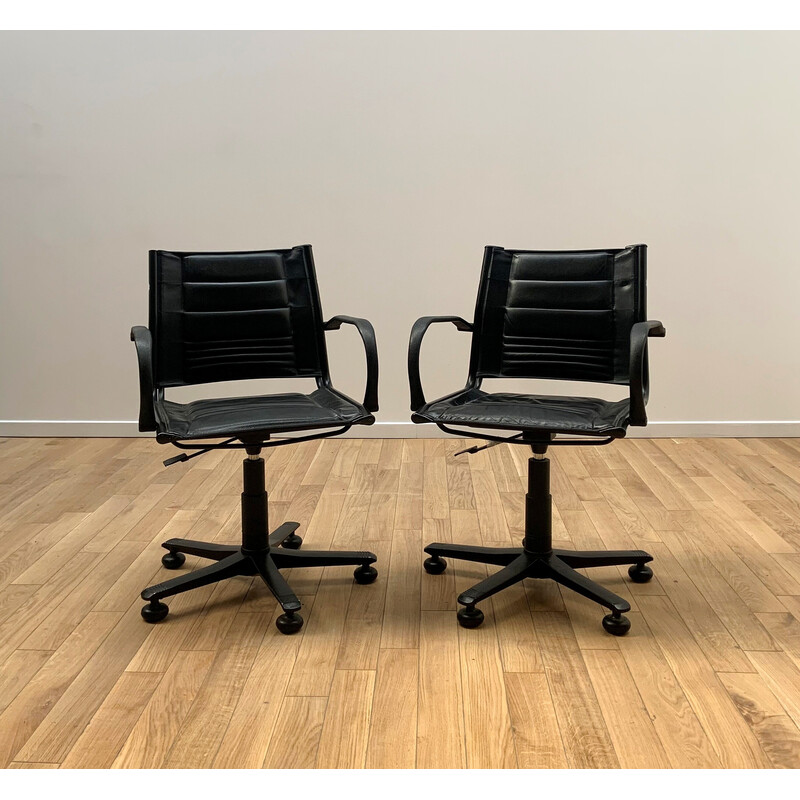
x=232, y=316
x=565, y=315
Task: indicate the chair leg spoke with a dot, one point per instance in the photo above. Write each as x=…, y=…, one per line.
x=276, y=583
x=501, y=579
x=500, y=556
x=583, y=559
x=203, y=549
x=322, y=558
x=228, y=567
x=566, y=576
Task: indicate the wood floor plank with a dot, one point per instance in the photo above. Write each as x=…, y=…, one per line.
x=583, y=730
x=685, y=742
x=245, y=742
x=485, y=701
x=782, y=675
x=151, y=738
x=13, y=597
x=408, y=512
x=626, y=510
x=435, y=501
x=732, y=739
x=62, y=620
x=460, y=491
x=363, y=624
x=59, y=731
x=379, y=525
x=657, y=482
x=393, y=721
x=201, y=733
x=25, y=714
x=402, y=607
x=343, y=742
x=141, y=572
x=699, y=537
x=778, y=736
x=440, y=722
x=636, y=742
x=656, y=515
x=516, y=632
x=117, y=529
x=537, y=738
x=719, y=647
x=74, y=540
x=770, y=568
x=17, y=671
x=785, y=630
x=315, y=664
x=732, y=611
x=210, y=627
x=319, y=466
x=42, y=602
x=107, y=731
x=761, y=533
x=489, y=505
x=23, y=551
x=295, y=740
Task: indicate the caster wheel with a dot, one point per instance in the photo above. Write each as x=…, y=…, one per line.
x=289, y=623
x=640, y=573
x=365, y=574
x=293, y=542
x=173, y=560
x=434, y=565
x=469, y=617
x=154, y=611
x=616, y=625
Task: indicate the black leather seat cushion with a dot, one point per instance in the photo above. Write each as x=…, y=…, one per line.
x=579, y=415
x=275, y=413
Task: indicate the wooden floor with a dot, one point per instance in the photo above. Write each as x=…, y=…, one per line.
x=381, y=675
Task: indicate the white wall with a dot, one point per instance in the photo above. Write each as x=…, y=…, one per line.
x=399, y=156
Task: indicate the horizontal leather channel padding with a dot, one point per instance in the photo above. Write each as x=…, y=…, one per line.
x=234, y=316
x=560, y=294
x=233, y=267
x=558, y=323
x=553, y=315
x=220, y=325
x=562, y=266
x=234, y=295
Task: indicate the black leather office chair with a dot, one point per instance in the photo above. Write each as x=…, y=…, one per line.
x=233, y=316
x=577, y=316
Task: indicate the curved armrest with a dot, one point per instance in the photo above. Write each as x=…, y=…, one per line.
x=414, y=345
x=143, y=340
x=639, y=375
x=371, y=349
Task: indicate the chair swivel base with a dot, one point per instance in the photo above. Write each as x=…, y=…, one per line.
x=232, y=561
x=558, y=565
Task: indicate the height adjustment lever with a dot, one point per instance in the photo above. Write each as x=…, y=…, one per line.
x=184, y=457
x=477, y=448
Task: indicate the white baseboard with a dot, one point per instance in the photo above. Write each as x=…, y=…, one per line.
x=785, y=429
x=408, y=430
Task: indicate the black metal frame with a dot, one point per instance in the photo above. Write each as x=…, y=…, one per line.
x=261, y=553
x=537, y=558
